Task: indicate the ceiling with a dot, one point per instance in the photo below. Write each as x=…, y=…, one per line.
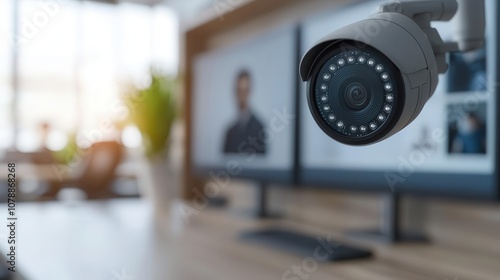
x=189, y=8
x=183, y=7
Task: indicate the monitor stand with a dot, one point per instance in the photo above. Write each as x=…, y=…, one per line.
x=261, y=203
x=322, y=249
x=261, y=197
x=219, y=201
x=390, y=229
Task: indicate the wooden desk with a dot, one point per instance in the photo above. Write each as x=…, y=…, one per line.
x=99, y=240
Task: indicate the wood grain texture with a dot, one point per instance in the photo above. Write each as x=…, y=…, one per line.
x=90, y=240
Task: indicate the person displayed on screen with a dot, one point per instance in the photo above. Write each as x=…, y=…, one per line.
x=471, y=136
x=467, y=71
x=246, y=131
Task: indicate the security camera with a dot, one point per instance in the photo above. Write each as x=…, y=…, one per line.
x=370, y=79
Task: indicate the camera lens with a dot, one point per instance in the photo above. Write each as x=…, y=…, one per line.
x=356, y=96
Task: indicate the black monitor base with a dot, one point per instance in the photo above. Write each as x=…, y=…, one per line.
x=390, y=229
x=296, y=243
x=306, y=246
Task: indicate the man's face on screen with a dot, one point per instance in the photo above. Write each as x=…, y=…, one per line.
x=243, y=93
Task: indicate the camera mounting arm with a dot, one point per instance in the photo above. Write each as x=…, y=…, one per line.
x=468, y=18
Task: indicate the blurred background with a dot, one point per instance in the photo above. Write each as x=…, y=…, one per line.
x=170, y=139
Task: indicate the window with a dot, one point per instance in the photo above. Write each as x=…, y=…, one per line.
x=75, y=57
x=6, y=119
x=47, y=71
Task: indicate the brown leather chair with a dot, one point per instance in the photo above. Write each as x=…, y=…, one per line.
x=100, y=163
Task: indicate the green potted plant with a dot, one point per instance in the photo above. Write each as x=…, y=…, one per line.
x=153, y=111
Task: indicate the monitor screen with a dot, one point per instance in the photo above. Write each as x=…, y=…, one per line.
x=244, y=108
x=449, y=149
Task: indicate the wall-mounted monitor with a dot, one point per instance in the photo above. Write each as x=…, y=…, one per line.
x=244, y=108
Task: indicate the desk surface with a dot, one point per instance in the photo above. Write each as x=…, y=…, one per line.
x=107, y=240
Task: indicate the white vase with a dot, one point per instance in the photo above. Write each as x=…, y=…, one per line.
x=160, y=183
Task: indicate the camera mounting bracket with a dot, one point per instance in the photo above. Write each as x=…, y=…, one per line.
x=467, y=16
